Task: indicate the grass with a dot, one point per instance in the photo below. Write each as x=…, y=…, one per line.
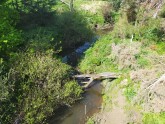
x=154, y=118
x=90, y=121
x=97, y=58
x=160, y=48
x=162, y=12
x=129, y=92
x=143, y=62
x=130, y=88
x=92, y=18
x=110, y=92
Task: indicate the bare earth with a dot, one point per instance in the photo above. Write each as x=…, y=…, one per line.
x=116, y=115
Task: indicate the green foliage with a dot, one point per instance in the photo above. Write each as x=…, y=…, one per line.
x=37, y=84
x=131, y=12
x=123, y=29
x=71, y=92
x=139, y=28
x=143, y=62
x=60, y=7
x=160, y=47
x=96, y=58
x=42, y=39
x=154, y=118
x=162, y=12
x=72, y=29
x=151, y=30
x=90, y=121
x=116, y=4
x=93, y=11
x=2, y=2
x=110, y=92
x=29, y=21
x=10, y=38
x=130, y=89
x=33, y=13
x=3, y=88
x=115, y=16
x=129, y=92
x=93, y=19
x=64, y=30
x=32, y=5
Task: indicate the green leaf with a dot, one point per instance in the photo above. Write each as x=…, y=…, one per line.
x=5, y=41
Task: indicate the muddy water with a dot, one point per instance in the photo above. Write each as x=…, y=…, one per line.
x=79, y=112
x=92, y=99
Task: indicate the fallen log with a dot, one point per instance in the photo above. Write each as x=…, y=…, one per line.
x=91, y=79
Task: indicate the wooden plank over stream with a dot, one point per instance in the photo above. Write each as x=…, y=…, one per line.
x=93, y=77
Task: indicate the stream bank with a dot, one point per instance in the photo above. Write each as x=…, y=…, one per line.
x=81, y=110
x=91, y=103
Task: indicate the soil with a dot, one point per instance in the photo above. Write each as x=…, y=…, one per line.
x=117, y=115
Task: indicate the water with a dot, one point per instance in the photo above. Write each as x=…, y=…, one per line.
x=73, y=57
x=77, y=113
x=92, y=99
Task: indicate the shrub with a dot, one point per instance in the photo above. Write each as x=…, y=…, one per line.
x=32, y=5
x=72, y=29
x=10, y=38
x=150, y=30
x=3, y=88
x=123, y=29
x=42, y=39
x=116, y=4
x=94, y=12
x=37, y=85
x=93, y=19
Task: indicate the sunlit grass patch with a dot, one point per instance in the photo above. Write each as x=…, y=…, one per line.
x=154, y=118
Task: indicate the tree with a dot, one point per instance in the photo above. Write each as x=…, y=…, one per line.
x=32, y=5
x=2, y=2
x=9, y=35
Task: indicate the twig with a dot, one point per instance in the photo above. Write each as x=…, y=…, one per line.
x=162, y=78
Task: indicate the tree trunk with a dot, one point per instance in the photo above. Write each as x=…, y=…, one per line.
x=71, y=6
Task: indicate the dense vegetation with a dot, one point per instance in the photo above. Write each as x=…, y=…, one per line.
x=33, y=80
x=136, y=50
x=35, y=33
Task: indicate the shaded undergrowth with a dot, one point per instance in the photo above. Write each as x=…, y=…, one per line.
x=35, y=81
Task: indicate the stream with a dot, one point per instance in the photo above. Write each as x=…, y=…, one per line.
x=81, y=110
x=91, y=103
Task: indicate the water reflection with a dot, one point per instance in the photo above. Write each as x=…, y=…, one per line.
x=76, y=114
